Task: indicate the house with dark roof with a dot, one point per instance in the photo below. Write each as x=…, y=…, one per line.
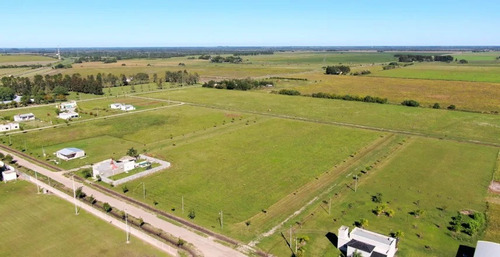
x=366, y=243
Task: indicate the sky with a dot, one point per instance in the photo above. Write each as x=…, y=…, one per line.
x=157, y=23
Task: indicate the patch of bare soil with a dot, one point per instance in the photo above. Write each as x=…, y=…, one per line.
x=495, y=187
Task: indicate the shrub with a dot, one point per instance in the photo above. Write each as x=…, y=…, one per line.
x=79, y=193
x=125, y=189
x=107, y=207
x=436, y=106
x=288, y=92
x=411, y=103
x=192, y=214
x=451, y=107
x=86, y=173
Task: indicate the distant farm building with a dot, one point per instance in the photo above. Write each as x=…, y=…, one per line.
x=70, y=153
x=115, y=106
x=68, y=115
x=24, y=117
x=9, y=126
x=67, y=106
x=366, y=243
x=8, y=172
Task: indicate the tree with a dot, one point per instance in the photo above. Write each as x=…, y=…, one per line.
x=60, y=90
x=377, y=198
x=338, y=70
x=86, y=173
x=107, y=207
x=8, y=158
x=92, y=199
x=451, y=107
x=363, y=223
x=79, y=193
x=463, y=61
x=436, y=106
x=378, y=210
x=6, y=93
x=132, y=152
x=192, y=214
x=125, y=189
x=390, y=212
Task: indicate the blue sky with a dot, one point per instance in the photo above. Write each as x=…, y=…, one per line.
x=107, y=23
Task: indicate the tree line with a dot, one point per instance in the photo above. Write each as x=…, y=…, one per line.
x=182, y=77
x=237, y=84
x=423, y=58
x=229, y=59
x=338, y=70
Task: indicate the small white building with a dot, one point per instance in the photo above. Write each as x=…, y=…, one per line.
x=367, y=243
x=70, y=153
x=8, y=172
x=127, y=107
x=116, y=106
x=67, y=106
x=9, y=126
x=487, y=249
x=68, y=115
x=110, y=167
x=24, y=117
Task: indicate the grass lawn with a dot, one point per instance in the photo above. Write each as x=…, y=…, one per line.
x=132, y=172
x=442, y=123
x=44, y=225
x=111, y=137
x=246, y=170
x=438, y=177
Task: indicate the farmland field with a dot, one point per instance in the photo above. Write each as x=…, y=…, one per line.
x=44, y=225
x=439, y=123
x=438, y=177
x=15, y=58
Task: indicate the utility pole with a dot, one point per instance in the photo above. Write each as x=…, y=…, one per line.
x=290, y=236
x=10, y=140
x=182, y=200
x=74, y=194
x=127, y=227
x=356, y=183
x=221, y=220
x=295, y=245
x=37, y=186
x=143, y=190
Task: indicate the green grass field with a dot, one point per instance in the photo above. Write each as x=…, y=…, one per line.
x=440, y=123
x=438, y=177
x=44, y=225
x=24, y=58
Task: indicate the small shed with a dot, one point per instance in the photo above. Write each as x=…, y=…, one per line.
x=9, y=126
x=116, y=106
x=68, y=115
x=8, y=172
x=70, y=153
x=127, y=107
x=24, y=117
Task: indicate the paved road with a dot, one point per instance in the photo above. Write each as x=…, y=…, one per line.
x=115, y=222
x=208, y=246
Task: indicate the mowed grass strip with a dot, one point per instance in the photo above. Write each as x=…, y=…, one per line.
x=436, y=176
x=44, y=225
x=475, y=96
x=243, y=172
x=440, y=123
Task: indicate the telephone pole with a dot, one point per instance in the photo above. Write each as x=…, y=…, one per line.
x=356, y=183
x=143, y=190
x=221, y=220
x=37, y=186
x=330, y=206
x=182, y=201
x=74, y=194
x=127, y=227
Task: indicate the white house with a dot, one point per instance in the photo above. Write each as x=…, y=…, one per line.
x=9, y=126
x=68, y=115
x=487, y=249
x=67, y=106
x=70, y=153
x=127, y=107
x=116, y=106
x=367, y=243
x=24, y=117
x=8, y=172
x=110, y=167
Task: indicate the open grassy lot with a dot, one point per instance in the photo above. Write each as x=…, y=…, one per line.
x=438, y=177
x=476, y=96
x=44, y=225
x=321, y=58
x=442, y=123
x=445, y=71
x=24, y=58
x=111, y=137
x=244, y=171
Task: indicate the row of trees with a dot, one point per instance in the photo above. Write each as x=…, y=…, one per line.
x=423, y=58
x=338, y=70
x=182, y=77
x=229, y=59
x=367, y=99
x=237, y=84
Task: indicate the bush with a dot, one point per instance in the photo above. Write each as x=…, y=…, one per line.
x=338, y=70
x=125, y=189
x=288, y=92
x=451, y=107
x=411, y=103
x=192, y=214
x=79, y=193
x=107, y=207
x=86, y=173
x=436, y=106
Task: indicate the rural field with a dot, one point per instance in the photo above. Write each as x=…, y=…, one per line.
x=270, y=161
x=44, y=225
